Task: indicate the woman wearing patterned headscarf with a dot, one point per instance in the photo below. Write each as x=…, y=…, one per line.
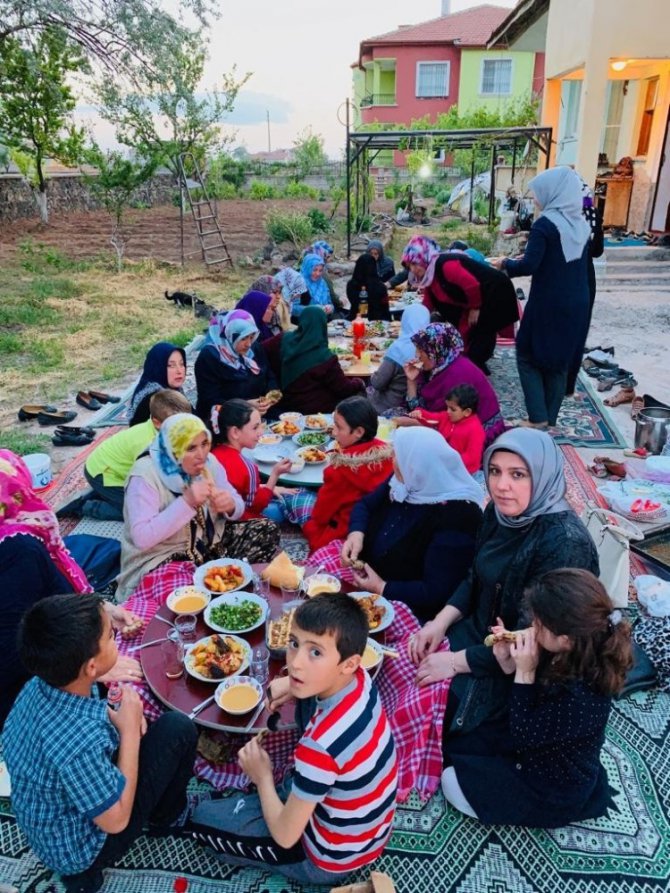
x=528, y=529
x=280, y=320
x=441, y=366
x=233, y=364
x=178, y=512
x=476, y=298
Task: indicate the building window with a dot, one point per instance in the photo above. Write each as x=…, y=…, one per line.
x=496, y=77
x=647, y=116
x=614, y=100
x=432, y=80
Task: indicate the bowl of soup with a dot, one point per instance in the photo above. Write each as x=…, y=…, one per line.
x=270, y=439
x=188, y=600
x=321, y=583
x=372, y=656
x=238, y=695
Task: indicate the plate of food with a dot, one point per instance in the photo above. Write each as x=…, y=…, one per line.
x=295, y=417
x=318, y=422
x=378, y=610
x=223, y=575
x=312, y=455
x=236, y=612
x=216, y=657
x=285, y=428
x=311, y=438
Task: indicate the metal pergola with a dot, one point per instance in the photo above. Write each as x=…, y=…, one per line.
x=363, y=146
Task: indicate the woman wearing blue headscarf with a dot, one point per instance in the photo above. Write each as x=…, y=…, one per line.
x=234, y=364
x=319, y=294
x=164, y=367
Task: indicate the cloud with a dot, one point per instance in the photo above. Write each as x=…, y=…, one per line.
x=251, y=108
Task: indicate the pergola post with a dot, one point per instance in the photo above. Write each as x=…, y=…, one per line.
x=347, y=154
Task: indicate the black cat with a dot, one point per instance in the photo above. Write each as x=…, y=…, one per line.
x=183, y=299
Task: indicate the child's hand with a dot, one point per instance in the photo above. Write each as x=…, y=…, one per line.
x=415, y=414
x=129, y=719
x=254, y=761
x=278, y=693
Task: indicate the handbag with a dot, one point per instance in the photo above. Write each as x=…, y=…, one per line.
x=612, y=534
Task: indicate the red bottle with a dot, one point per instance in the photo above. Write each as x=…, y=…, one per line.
x=358, y=329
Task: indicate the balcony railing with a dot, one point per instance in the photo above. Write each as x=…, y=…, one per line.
x=377, y=99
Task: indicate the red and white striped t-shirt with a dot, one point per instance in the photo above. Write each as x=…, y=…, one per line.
x=346, y=763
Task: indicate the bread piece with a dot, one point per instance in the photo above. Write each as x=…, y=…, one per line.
x=505, y=636
x=282, y=572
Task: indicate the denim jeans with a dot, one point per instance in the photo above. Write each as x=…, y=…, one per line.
x=543, y=391
x=105, y=503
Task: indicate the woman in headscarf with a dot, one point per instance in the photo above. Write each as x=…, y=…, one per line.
x=234, y=364
x=365, y=277
x=311, y=270
x=416, y=531
x=260, y=306
x=385, y=268
x=179, y=512
x=555, y=320
x=310, y=375
x=388, y=385
x=477, y=299
x=281, y=309
x=164, y=367
x=35, y=563
x=440, y=367
x=527, y=530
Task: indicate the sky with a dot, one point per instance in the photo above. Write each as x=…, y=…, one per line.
x=299, y=53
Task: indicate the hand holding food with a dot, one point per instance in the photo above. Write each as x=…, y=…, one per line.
x=197, y=493
x=222, y=502
x=525, y=654
x=272, y=396
x=254, y=761
x=368, y=579
x=412, y=370
x=427, y=640
x=351, y=549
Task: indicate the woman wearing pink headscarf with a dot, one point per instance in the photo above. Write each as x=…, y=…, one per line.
x=34, y=563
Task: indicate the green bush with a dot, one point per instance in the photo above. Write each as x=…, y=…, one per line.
x=319, y=221
x=262, y=191
x=479, y=238
x=429, y=190
x=288, y=226
x=294, y=189
x=442, y=196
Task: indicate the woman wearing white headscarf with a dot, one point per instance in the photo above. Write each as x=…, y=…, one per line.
x=556, y=318
x=388, y=386
x=418, y=528
x=527, y=530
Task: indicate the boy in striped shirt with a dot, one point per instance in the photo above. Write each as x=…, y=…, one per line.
x=339, y=813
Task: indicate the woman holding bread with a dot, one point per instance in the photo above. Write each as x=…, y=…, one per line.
x=528, y=529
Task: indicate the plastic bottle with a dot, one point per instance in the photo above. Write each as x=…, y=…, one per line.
x=114, y=696
x=358, y=330
x=363, y=302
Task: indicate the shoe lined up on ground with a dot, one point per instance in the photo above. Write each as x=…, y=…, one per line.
x=56, y=417
x=30, y=411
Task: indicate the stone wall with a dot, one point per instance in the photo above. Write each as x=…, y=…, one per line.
x=70, y=193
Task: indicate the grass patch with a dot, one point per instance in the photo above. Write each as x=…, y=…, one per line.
x=22, y=443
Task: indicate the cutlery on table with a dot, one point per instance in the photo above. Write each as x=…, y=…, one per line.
x=201, y=706
x=146, y=644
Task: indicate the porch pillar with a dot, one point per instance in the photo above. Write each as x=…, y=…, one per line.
x=592, y=113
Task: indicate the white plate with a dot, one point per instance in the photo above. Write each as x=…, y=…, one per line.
x=326, y=416
x=389, y=612
x=278, y=433
x=188, y=662
x=270, y=455
x=301, y=453
x=201, y=572
x=236, y=598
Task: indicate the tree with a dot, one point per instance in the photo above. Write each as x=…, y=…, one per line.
x=115, y=186
x=36, y=105
x=167, y=114
x=119, y=36
x=308, y=152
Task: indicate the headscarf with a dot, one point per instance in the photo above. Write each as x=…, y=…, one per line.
x=169, y=448
x=415, y=318
x=256, y=303
x=154, y=373
x=265, y=284
x=292, y=284
x=385, y=268
x=424, y=251
x=545, y=464
x=559, y=193
x=306, y=347
x=432, y=471
x=318, y=290
x=23, y=512
x=441, y=342
x=228, y=327
x=322, y=249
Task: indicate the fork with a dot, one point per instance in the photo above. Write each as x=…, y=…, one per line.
x=146, y=644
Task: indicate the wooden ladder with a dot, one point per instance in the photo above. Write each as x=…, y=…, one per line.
x=213, y=245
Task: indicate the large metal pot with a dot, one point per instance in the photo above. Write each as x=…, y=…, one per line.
x=651, y=428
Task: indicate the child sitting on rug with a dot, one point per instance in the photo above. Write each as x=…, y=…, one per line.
x=108, y=466
x=459, y=425
x=339, y=811
x=85, y=778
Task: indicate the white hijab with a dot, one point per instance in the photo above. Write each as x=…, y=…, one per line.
x=415, y=318
x=559, y=194
x=432, y=471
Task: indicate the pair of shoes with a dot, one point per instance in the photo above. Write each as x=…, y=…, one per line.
x=63, y=438
x=102, y=397
x=616, y=469
x=56, y=417
x=88, y=401
x=627, y=382
x=625, y=395
x=72, y=429
x=74, y=508
x=31, y=411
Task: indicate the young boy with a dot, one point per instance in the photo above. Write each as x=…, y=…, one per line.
x=85, y=778
x=339, y=811
x=459, y=425
x=109, y=464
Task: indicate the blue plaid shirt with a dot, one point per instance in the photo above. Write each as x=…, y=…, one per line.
x=59, y=749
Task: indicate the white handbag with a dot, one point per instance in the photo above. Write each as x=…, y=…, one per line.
x=612, y=534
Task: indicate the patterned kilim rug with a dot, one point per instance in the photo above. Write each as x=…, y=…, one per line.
x=582, y=421
x=119, y=413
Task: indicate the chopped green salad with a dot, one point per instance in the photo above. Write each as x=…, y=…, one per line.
x=314, y=439
x=235, y=617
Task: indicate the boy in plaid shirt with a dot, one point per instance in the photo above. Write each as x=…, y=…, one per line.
x=85, y=778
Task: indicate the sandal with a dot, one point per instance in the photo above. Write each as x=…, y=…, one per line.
x=636, y=407
x=625, y=395
x=616, y=469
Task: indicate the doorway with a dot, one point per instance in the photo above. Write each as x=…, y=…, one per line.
x=660, y=213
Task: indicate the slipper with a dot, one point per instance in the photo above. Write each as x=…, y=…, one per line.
x=61, y=417
x=637, y=453
x=101, y=397
x=598, y=470
x=636, y=407
x=60, y=439
x=72, y=429
x=87, y=401
x=625, y=395
x=616, y=469
x=31, y=411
